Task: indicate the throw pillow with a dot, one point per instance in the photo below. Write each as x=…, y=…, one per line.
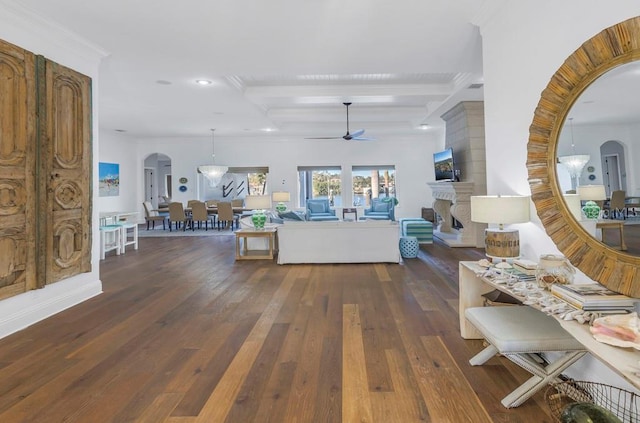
x=291, y=215
x=381, y=207
x=316, y=207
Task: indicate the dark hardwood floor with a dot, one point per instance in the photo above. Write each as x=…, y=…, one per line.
x=185, y=334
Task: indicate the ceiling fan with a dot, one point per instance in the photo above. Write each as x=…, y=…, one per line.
x=356, y=136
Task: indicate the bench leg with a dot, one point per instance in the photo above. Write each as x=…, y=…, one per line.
x=542, y=375
x=483, y=356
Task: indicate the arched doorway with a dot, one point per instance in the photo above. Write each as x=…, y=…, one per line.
x=157, y=178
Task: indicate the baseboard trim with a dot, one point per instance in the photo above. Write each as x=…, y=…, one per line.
x=21, y=311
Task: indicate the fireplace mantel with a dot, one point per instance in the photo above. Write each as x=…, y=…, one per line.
x=453, y=199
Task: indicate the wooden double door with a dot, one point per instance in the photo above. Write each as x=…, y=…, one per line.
x=45, y=171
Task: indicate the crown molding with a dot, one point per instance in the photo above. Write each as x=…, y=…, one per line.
x=19, y=17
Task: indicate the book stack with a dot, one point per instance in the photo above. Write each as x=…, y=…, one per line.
x=593, y=297
x=525, y=266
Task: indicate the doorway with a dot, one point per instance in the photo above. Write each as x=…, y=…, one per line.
x=157, y=178
x=613, y=166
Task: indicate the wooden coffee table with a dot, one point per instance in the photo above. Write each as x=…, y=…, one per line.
x=246, y=254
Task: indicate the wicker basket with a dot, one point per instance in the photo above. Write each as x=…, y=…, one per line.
x=622, y=403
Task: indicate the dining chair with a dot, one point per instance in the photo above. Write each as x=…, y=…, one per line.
x=226, y=216
x=199, y=214
x=177, y=215
x=152, y=216
x=238, y=202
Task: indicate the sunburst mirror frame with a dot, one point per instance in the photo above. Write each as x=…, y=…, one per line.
x=614, y=46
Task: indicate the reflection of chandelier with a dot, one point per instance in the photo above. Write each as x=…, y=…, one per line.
x=212, y=172
x=575, y=162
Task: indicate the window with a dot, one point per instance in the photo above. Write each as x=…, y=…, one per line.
x=320, y=182
x=372, y=182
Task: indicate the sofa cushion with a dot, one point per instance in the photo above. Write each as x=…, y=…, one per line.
x=381, y=207
x=291, y=215
x=316, y=208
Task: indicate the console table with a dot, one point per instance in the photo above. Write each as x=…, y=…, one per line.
x=623, y=361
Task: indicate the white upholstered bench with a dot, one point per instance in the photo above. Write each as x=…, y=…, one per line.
x=519, y=333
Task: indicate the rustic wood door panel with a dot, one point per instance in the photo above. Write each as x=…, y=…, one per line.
x=64, y=109
x=17, y=170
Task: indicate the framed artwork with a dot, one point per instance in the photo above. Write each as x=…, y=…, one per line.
x=109, y=179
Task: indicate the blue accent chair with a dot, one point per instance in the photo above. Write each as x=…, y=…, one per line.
x=318, y=210
x=380, y=210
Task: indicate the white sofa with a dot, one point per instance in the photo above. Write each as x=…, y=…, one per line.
x=339, y=242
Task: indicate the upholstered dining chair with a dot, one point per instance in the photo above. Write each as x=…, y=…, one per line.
x=152, y=216
x=177, y=215
x=226, y=217
x=199, y=214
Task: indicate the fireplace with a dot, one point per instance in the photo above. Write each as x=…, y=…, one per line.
x=452, y=200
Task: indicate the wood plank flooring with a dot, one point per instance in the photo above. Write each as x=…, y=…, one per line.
x=185, y=334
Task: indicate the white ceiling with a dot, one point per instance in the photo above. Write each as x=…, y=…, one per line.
x=285, y=65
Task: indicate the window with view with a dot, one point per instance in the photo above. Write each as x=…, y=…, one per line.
x=372, y=182
x=320, y=182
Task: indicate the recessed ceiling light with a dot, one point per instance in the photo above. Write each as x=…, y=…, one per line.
x=163, y=82
x=203, y=82
x=268, y=129
x=424, y=126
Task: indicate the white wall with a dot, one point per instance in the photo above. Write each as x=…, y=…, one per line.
x=113, y=149
x=26, y=30
x=413, y=159
x=524, y=43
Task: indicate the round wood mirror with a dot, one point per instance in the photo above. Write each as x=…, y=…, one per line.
x=612, y=47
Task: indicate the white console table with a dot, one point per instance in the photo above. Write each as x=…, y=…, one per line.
x=624, y=361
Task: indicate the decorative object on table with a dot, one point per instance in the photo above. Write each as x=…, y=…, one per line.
x=109, y=179
x=501, y=243
x=621, y=330
x=553, y=269
x=183, y=188
x=592, y=194
x=258, y=203
x=213, y=172
x=574, y=162
x=183, y=180
x=621, y=403
x=281, y=197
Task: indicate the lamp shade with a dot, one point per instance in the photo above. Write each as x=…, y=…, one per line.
x=592, y=192
x=500, y=209
x=281, y=196
x=257, y=202
x=573, y=204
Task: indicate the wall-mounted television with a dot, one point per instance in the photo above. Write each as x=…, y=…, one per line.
x=443, y=165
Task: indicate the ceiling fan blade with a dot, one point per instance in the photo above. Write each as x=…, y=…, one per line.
x=363, y=139
x=357, y=133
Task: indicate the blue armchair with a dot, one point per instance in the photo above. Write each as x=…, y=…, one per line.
x=320, y=210
x=380, y=210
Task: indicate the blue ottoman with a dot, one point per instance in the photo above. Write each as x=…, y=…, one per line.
x=409, y=246
x=418, y=227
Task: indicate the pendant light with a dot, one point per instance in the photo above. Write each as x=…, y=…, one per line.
x=212, y=172
x=575, y=162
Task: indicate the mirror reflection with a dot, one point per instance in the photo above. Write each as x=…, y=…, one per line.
x=598, y=158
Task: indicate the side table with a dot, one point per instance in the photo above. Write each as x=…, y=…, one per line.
x=246, y=254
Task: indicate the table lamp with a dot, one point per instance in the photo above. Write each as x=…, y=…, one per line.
x=258, y=203
x=500, y=243
x=281, y=197
x=573, y=204
x=590, y=194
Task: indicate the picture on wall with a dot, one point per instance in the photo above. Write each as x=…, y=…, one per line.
x=109, y=179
